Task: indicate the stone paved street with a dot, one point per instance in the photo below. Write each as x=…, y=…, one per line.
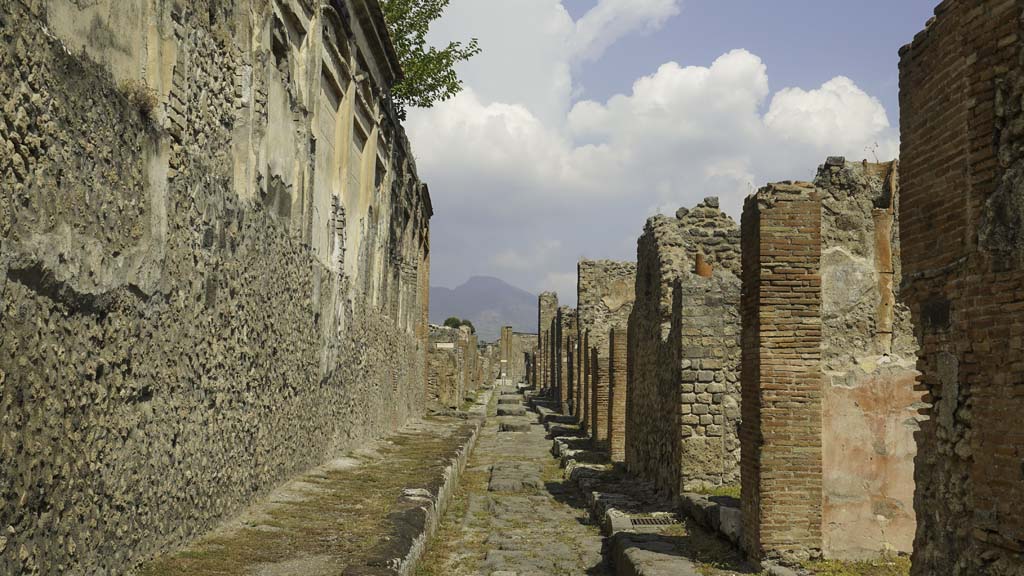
x=513, y=513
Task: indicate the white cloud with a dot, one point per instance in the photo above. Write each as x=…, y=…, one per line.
x=610, y=20
x=513, y=162
x=839, y=114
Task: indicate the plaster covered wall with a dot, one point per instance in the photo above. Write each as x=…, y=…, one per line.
x=869, y=410
x=213, y=265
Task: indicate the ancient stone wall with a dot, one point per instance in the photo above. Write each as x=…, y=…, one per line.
x=547, y=310
x=448, y=359
x=961, y=220
x=213, y=265
x=605, y=292
x=683, y=352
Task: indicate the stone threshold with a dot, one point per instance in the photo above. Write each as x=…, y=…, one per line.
x=368, y=513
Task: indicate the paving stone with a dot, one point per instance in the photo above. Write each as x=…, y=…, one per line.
x=506, y=410
x=514, y=476
x=514, y=426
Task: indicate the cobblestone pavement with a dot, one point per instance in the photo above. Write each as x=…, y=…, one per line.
x=513, y=513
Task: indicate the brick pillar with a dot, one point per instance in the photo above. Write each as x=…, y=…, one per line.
x=781, y=433
x=581, y=377
x=599, y=398
x=617, y=395
x=570, y=355
x=547, y=310
x=586, y=384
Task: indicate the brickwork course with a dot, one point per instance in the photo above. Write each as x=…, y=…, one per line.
x=618, y=377
x=782, y=379
x=566, y=332
x=961, y=219
x=682, y=408
x=605, y=293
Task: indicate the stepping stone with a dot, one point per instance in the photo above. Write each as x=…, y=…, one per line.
x=514, y=477
x=507, y=410
x=513, y=426
x=510, y=400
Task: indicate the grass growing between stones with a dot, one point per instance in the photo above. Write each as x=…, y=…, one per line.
x=889, y=566
x=328, y=519
x=457, y=548
x=731, y=490
x=712, y=555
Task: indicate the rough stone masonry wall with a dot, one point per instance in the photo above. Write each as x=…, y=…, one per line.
x=870, y=406
x=683, y=357
x=547, y=310
x=782, y=375
x=203, y=290
x=605, y=292
x=962, y=227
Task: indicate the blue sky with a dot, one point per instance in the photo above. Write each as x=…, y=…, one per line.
x=803, y=42
x=582, y=118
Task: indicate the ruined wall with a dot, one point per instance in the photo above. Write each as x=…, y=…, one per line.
x=683, y=359
x=213, y=260
x=961, y=220
x=605, y=292
x=868, y=354
x=547, y=310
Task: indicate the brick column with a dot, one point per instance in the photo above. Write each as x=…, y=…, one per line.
x=581, y=376
x=617, y=395
x=781, y=433
x=585, y=401
x=599, y=398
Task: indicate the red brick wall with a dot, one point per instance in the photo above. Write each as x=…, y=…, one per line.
x=585, y=382
x=781, y=373
x=599, y=398
x=617, y=395
x=963, y=257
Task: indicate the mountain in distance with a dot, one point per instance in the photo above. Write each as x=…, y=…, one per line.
x=489, y=303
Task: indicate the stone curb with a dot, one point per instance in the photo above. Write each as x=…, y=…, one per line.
x=727, y=521
x=434, y=507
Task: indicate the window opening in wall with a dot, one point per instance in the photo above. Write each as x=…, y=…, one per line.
x=379, y=173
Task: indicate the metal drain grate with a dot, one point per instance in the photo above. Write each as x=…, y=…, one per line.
x=652, y=521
